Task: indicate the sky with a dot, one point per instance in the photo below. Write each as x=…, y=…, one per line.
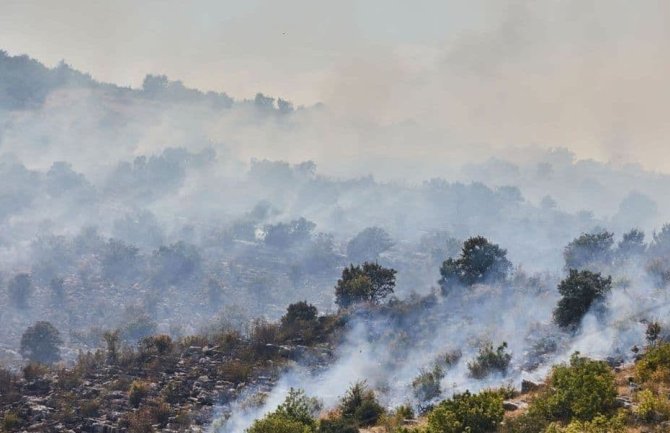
x=589, y=75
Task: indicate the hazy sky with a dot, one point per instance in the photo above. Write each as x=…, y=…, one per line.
x=590, y=75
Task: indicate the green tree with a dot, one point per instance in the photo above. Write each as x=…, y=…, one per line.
x=480, y=261
x=370, y=282
x=579, y=291
x=40, y=343
x=589, y=250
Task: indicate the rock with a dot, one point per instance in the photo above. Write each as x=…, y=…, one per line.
x=623, y=401
x=511, y=406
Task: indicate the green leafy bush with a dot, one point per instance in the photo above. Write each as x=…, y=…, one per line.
x=657, y=359
x=599, y=424
x=473, y=413
x=581, y=390
x=360, y=405
x=295, y=415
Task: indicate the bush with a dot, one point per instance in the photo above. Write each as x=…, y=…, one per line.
x=473, y=413
x=652, y=407
x=370, y=282
x=599, y=424
x=427, y=384
x=138, y=392
x=337, y=426
x=90, y=408
x=276, y=424
x=657, y=359
x=360, y=405
x=490, y=361
x=295, y=415
x=579, y=291
x=581, y=390
x=11, y=421
x=39, y=343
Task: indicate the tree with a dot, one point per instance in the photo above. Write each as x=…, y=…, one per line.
x=19, y=290
x=369, y=244
x=370, y=282
x=480, y=261
x=489, y=361
x=175, y=263
x=632, y=244
x=40, y=343
x=579, y=291
x=660, y=243
x=589, y=250
x=286, y=235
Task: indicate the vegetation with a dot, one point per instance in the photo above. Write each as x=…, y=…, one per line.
x=474, y=413
x=480, y=261
x=368, y=245
x=39, y=343
x=490, y=361
x=369, y=282
x=579, y=292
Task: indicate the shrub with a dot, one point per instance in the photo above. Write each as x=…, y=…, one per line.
x=160, y=412
x=427, y=384
x=39, y=343
x=140, y=422
x=11, y=421
x=652, y=407
x=579, y=291
x=490, y=361
x=581, y=390
x=138, y=392
x=599, y=424
x=369, y=282
x=90, y=408
x=160, y=344
x=235, y=371
x=653, y=332
x=656, y=359
x=360, y=405
x=337, y=426
x=294, y=415
x=276, y=424
x=473, y=413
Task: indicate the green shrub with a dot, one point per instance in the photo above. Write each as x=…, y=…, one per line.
x=490, y=361
x=473, y=413
x=11, y=421
x=426, y=385
x=337, y=426
x=656, y=359
x=582, y=390
x=651, y=407
x=295, y=415
x=599, y=424
x=359, y=404
x=277, y=424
